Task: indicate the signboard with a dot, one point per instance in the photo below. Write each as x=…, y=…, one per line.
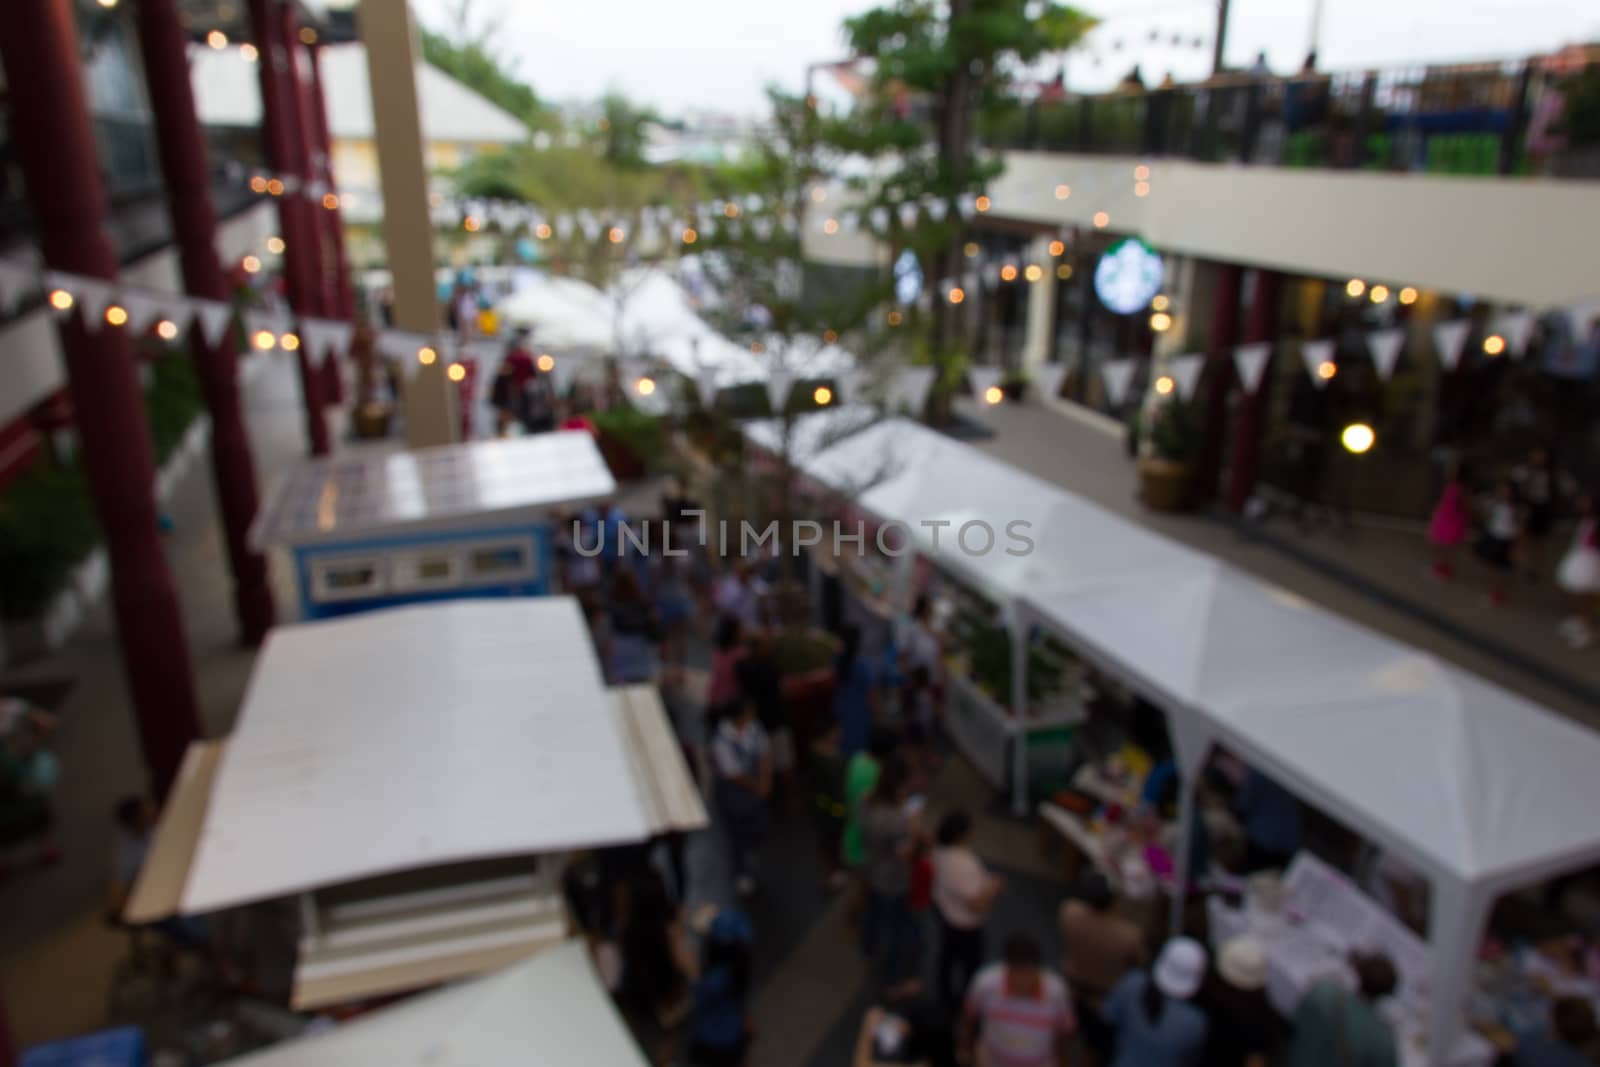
x=1128, y=276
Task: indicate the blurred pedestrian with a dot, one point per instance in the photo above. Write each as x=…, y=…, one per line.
x=825, y=772
x=1450, y=521
x=722, y=686
x=742, y=758
x=891, y=830
x=762, y=685
x=1578, y=575
x=1497, y=541
x=1017, y=1013
x=855, y=694
x=1242, y=1028
x=1151, y=1012
x=1573, y=1041
x=657, y=965
x=720, y=1032
x=1335, y=1027
x=1100, y=948
x=963, y=893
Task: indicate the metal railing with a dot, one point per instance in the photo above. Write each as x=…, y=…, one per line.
x=1472, y=120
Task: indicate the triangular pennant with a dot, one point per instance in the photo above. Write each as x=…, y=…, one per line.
x=143, y=311
x=1449, y=338
x=880, y=218
x=314, y=336
x=1048, y=379
x=705, y=384
x=1250, y=364
x=1385, y=346
x=983, y=379
x=339, y=336
x=908, y=215
x=563, y=226
x=1580, y=319
x=400, y=344
x=1117, y=375
x=213, y=317
x=1516, y=327
x=850, y=383
x=93, y=297
x=15, y=280
x=937, y=210
x=1315, y=354
x=910, y=389
x=967, y=205
x=1185, y=371
x=778, y=386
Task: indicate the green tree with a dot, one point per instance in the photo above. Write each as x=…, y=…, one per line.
x=467, y=51
x=624, y=128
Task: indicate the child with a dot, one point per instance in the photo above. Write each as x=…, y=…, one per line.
x=1501, y=529
x=1579, y=575
x=1448, y=526
x=720, y=1035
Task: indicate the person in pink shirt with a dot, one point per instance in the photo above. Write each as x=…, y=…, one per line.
x=1017, y=1013
x=722, y=688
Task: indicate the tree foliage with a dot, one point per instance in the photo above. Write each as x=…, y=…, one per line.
x=468, y=52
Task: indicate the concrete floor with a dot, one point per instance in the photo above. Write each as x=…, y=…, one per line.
x=57, y=957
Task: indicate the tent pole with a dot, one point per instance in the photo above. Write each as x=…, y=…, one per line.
x=1019, y=710
x=1180, y=859
x=1455, y=926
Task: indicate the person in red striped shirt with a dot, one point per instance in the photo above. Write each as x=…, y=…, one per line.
x=1018, y=1013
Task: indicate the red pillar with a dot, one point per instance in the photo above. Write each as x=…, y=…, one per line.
x=1247, y=427
x=194, y=221
x=344, y=298
x=55, y=149
x=278, y=114
x=1218, y=377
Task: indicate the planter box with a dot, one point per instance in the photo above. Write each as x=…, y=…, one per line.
x=1164, y=485
x=625, y=466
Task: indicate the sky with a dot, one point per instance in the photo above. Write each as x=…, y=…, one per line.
x=718, y=55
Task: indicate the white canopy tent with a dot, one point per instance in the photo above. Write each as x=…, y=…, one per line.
x=548, y=1009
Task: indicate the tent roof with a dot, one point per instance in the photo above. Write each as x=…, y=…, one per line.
x=551, y=1008
x=415, y=737
x=228, y=93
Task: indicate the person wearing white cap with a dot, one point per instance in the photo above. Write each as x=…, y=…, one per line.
x=1244, y=1030
x=1152, y=1012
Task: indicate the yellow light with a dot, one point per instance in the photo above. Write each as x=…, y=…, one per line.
x=1141, y=173
x=895, y=318
x=830, y=336
x=471, y=224
x=1165, y=385
x=1358, y=438
x=308, y=35
x=263, y=340
x=1057, y=247
x=117, y=315
x=1161, y=322
x=330, y=201
x=258, y=184
x=830, y=227
x=993, y=395
x=543, y=231
x=1008, y=273
x=645, y=386
x=217, y=39
x=248, y=53
x=1063, y=191
x=251, y=264
x=970, y=249
x=1034, y=272
x=757, y=347
x=1064, y=271
x=275, y=245
x=275, y=187
x=60, y=299
x=546, y=363
x=167, y=330
x=1355, y=287
x=108, y=4
x=1494, y=344
x=1160, y=302
x=1327, y=369
x=956, y=295
x=1408, y=296
x=1101, y=220
x=426, y=355
x=289, y=342
x=731, y=210
x=456, y=372
x=1141, y=189
x=983, y=204
x=690, y=236
x=823, y=396
x=1379, y=294
x=615, y=235
x=818, y=194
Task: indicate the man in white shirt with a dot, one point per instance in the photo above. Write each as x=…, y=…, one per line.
x=741, y=594
x=742, y=758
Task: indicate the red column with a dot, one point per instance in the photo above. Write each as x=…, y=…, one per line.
x=194, y=221
x=55, y=150
x=1218, y=378
x=278, y=114
x=344, y=298
x=1247, y=426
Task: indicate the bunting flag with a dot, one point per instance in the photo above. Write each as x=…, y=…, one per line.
x=1049, y=378
x=778, y=385
x=880, y=218
x=983, y=379
x=1516, y=327
x=1315, y=354
x=212, y=318
x=340, y=336
x=1449, y=338
x=143, y=311
x=850, y=383
x=1185, y=371
x=909, y=390
x=908, y=214
x=1250, y=363
x=1580, y=317
x=15, y=280
x=399, y=344
x=93, y=296
x=264, y=322
x=937, y=209
x=967, y=205
x=1385, y=346
x=1117, y=376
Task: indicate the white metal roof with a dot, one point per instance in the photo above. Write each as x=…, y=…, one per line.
x=443, y=488
x=415, y=737
x=227, y=92
x=549, y=1009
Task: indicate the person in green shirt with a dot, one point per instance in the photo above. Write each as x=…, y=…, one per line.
x=860, y=778
x=1334, y=1027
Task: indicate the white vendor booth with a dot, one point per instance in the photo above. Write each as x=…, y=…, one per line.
x=548, y=1009
x=407, y=774
x=373, y=529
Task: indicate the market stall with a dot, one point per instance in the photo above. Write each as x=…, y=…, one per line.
x=373, y=529
x=411, y=776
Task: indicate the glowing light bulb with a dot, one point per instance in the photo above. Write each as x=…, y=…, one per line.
x=1355, y=287
x=1141, y=173
x=330, y=201
x=615, y=235
x=823, y=396
x=1408, y=296
x=1358, y=438
x=1327, y=369
x=970, y=249
x=471, y=224
x=1159, y=302
x=1034, y=272
x=546, y=363
x=690, y=236
x=275, y=187
x=1379, y=294
x=645, y=386
x=818, y=194
x=983, y=203
x=456, y=372
x=275, y=245
x=1141, y=189
x=1494, y=344
x=1057, y=247
x=167, y=330
x=308, y=36
x=1101, y=220
x=830, y=227
x=251, y=264
x=731, y=210
x=543, y=231
x=1063, y=191
x=1008, y=273
x=258, y=184
x=956, y=295
x=263, y=340
x=1165, y=385
x=895, y=318
x=993, y=395
x=117, y=315
x=60, y=299
x=289, y=342
x=426, y=355
x=217, y=39
x=1161, y=322
x=1064, y=271
x=248, y=53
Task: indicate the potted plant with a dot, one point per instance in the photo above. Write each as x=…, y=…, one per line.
x=1166, y=453
x=631, y=441
x=1015, y=386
